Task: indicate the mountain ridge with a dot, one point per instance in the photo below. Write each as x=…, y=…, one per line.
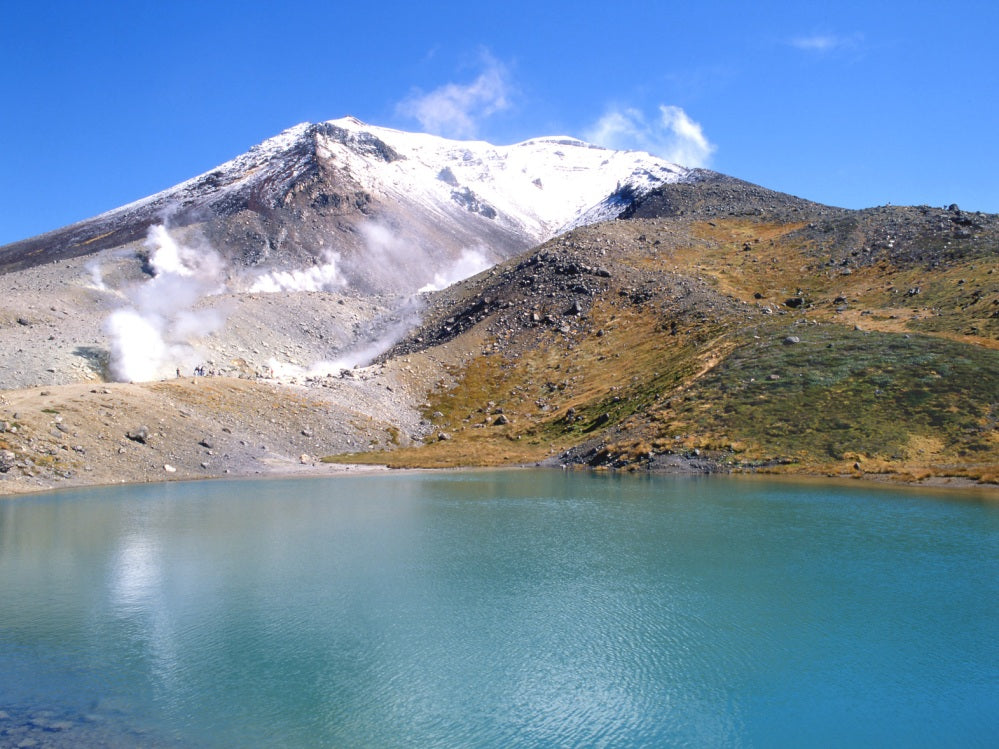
x=309, y=187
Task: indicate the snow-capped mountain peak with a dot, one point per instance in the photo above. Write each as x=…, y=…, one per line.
x=319, y=188
x=541, y=184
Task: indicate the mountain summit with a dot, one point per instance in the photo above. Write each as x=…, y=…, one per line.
x=311, y=189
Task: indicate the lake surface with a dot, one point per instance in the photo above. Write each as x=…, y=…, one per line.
x=498, y=609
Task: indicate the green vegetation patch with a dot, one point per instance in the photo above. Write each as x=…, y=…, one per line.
x=837, y=392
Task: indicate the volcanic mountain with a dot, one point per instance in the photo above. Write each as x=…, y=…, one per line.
x=315, y=188
x=617, y=312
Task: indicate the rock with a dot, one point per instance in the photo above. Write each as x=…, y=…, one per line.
x=7, y=460
x=791, y=340
x=304, y=459
x=169, y=468
x=442, y=436
x=306, y=432
x=501, y=420
x=207, y=443
x=794, y=302
x=140, y=434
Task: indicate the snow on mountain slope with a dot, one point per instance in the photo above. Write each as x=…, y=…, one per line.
x=397, y=209
x=538, y=186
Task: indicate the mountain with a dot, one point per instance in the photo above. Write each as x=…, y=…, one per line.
x=315, y=189
x=616, y=312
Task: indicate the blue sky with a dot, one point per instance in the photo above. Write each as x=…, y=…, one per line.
x=852, y=104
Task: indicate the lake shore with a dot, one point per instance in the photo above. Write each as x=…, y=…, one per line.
x=188, y=429
x=274, y=470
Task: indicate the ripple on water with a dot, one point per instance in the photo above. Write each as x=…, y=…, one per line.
x=497, y=609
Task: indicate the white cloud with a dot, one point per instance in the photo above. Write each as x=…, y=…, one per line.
x=822, y=43
x=672, y=136
x=455, y=110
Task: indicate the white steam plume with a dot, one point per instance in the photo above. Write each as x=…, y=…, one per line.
x=321, y=277
x=155, y=336
x=393, y=263
x=390, y=264
x=93, y=269
x=383, y=335
x=472, y=261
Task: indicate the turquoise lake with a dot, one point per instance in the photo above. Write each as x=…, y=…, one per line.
x=499, y=609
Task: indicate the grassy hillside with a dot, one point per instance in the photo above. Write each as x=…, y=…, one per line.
x=727, y=327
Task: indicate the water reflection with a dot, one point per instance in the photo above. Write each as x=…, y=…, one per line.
x=490, y=609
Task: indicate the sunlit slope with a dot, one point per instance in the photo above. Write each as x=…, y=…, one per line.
x=723, y=326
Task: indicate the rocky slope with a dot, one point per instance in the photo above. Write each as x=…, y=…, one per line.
x=721, y=326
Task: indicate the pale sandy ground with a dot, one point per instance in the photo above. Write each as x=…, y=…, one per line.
x=64, y=424
x=74, y=435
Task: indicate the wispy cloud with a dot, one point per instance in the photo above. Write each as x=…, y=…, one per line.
x=673, y=135
x=822, y=43
x=456, y=110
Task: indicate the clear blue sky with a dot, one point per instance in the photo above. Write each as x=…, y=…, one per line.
x=848, y=103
